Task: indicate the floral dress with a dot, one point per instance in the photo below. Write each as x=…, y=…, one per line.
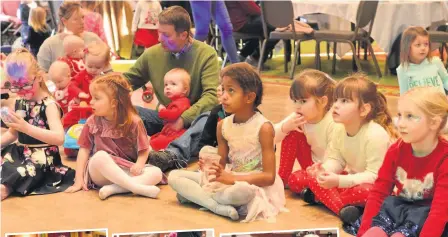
x=31, y=166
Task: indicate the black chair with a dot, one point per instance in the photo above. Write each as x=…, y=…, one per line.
x=280, y=14
x=364, y=17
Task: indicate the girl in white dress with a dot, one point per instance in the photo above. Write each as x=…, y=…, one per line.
x=245, y=180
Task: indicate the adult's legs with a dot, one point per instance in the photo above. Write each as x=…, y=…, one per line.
x=255, y=26
x=201, y=16
x=151, y=120
x=178, y=153
x=222, y=19
x=104, y=171
x=186, y=184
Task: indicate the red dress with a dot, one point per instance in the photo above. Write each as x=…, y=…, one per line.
x=76, y=65
x=171, y=113
x=78, y=84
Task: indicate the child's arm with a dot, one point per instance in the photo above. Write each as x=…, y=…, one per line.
x=290, y=123
x=85, y=142
x=8, y=137
x=53, y=136
x=403, y=82
x=441, y=71
x=223, y=147
x=174, y=110
x=81, y=165
x=267, y=176
x=334, y=162
x=375, y=149
x=142, y=148
x=438, y=215
x=382, y=187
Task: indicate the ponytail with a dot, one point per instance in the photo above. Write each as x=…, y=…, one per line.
x=381, y=115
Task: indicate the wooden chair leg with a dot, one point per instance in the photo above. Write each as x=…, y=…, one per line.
x=317, y=55
x=260, y=60
x=355, y=58
x=378, y=70
x=333, y=68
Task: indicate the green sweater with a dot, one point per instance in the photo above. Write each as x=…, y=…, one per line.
x=201, y=61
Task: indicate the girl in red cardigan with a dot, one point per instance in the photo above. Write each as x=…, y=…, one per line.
x=417, y=166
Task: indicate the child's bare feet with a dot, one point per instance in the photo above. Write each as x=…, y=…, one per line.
x=5, y=191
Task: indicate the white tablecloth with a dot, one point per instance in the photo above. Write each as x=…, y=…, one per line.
x=392, y=17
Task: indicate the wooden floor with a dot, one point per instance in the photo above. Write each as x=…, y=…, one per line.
x=127, y=213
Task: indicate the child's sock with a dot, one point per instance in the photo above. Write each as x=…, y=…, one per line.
x=375, y=232
x=182, y=200
x=108, y=190
x=227, y=210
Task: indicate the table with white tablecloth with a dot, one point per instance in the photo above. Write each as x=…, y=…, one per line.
x=392, y=17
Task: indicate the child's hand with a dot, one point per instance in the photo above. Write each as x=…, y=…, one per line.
x=328, y=180
x=83, y=95
x=294, y=123
x=221, y=175
x=137, y=169
x=314, y=169
x=16, y=122
x=77, y=187
x=201, y=164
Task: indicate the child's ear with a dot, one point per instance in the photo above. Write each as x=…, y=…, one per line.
x=365, y=109
x=435, y=123
x=323, y=101
x=251, y=97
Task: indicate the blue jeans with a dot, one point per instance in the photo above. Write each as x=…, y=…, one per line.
x=203, y=11
x=184, y=146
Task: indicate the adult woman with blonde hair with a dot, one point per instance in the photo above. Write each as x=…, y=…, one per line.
x=71, y=21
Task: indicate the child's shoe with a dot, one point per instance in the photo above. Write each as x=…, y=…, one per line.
x=308, y=196
x=349, y=214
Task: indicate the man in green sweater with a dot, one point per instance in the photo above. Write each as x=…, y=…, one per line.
x=177, y=49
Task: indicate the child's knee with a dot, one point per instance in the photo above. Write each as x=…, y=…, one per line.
x=174, y=175
x=98, y=157
x=155, y=172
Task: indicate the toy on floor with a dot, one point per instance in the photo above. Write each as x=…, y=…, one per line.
x=83, y=111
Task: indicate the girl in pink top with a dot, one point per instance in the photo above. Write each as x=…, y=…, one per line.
x=117, y=139
x=93, y=21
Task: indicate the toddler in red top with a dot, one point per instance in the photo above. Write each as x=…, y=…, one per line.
x=59, y=74
x=417, y=167
x=74, y=53
x=177, y=87
x=97, y=58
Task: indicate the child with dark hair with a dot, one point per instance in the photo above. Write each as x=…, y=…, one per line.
x=245, y=139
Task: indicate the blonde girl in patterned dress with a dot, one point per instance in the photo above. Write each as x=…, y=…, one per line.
x=245, y=180
x=33, y=164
